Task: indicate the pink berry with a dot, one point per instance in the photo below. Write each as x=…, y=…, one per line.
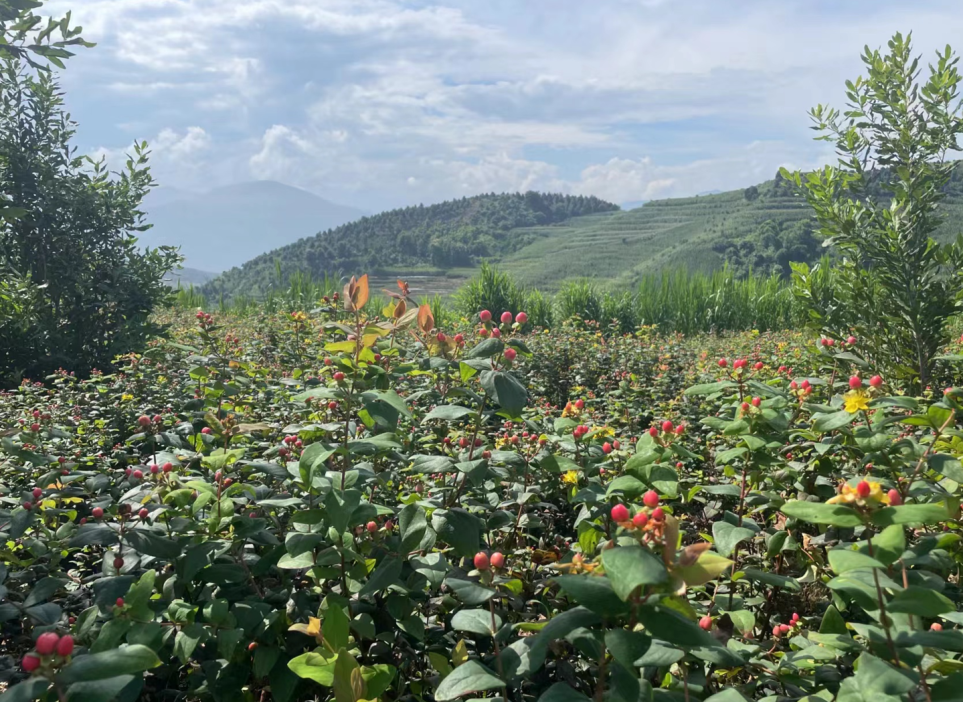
x=120, y=602
x=143, y=513
x=372, y=527
x=47, y=643
x=206, y=430
x=855, y=382
x=37, y=492
x=667, y=426
x=30, y=663
x=510, y=354
x=97, y=512
x=851, y=340
x=138, y=474
x=497, y=560
x=496, y=333
x=758, y=365
x=606, y=448
x=651, y=499
x=620, y=513
x=338, y=376
x=485, y=316
x=481, y=560
x=658, y=514
x=705, y=623
x=723, y=363
x=640, y=520
x=65, y=646
x=895, y=499
x=580, y=404
x=756, y=401
x=653, y=431
x=876, y=381
x=144, y=420
x=936, y=626
x=506, y=317
x=863, y=489
x=521, y=318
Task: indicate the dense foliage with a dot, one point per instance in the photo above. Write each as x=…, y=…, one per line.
x=355, y=504
x=879, y=208
x=449, y=234
x=75, y=289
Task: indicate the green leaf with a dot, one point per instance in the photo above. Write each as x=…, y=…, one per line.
x=125, y=660
x=841, y=560
x=335, y=625
x=470, y=593
x=413, y=524
x=525, y=656
x=27, y=691
x=828, y=421
x=345, y=667
x=562, y=692
x=153, y=544
x=315, y=665
x=931, y=513
x=921, y=601
x=627, y=646
x=470, y=676
x=628, y=567
x=771, y=579
x=727, y=536
x=448, y=413
x=107, y=689
x=383, y=576
x=875, y=679
x=730, y=694
x=668, y=625
x=821, y=513
x=477, y=621
x=710, y=388
x=597, y=594
x=506, y=390
x=486, y=349
x=459, y=528
x=946, y=465
x=312, y=461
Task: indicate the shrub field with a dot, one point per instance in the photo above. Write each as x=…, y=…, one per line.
x=355, y=504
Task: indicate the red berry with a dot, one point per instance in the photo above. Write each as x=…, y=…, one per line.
x=497, y=560
x=459, y=339
x=389, y=525
x=118, y=563
x=640, y=520
x=481, y=560
x=496, y=333
x=30, y=663
x=651, y=499
x=120, y=602
x=47, y=643
x=37, y=492
x=667, y=426
x=206, y=430
x=252, y=646
x=168, y=467
x=616, y=445
x=895, y=499
x=485, y=316
x=723, y=363
x=658, y=514
x=863, y=489
x=34, y=427
x=440, y=336
x=372, y=527
x=28, y=506
x=619, y=513
x=154, y=469
x=745, y=406
x=756, y=401
x=653, y=431
x=935, y=626
x=851, y=340
x=606, y=447
x=138, y=474
x=705, y=623
x=65, y=646
x=510, y=354
x=855, y=382
x=506, y=317
x=876, y=381
x=758, y=365
x=144, y=420
x=338, y=376
x=580, y=404
x=143, y=513
x=521, y=318
x=97, y=512
x=739, y=363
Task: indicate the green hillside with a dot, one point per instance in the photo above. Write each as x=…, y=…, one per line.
x=544, y=240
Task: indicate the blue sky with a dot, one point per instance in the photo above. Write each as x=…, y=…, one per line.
x=384, y=103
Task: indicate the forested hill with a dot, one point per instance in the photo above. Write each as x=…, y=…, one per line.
x=457, y=233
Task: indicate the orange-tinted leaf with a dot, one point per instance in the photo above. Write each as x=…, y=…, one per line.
x=400, y=309
x=359, y=296
x=426, y=321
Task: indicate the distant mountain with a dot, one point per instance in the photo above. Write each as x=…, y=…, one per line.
x=634, y=204
x=454, y=234
x=227, y=226
x=186, y=277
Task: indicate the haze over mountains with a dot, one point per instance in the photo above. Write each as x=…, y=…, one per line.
x=227, y=226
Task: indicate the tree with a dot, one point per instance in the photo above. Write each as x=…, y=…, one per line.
x=894, y=286
x=84, y=289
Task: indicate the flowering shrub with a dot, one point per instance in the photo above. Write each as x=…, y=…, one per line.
x=353, y=504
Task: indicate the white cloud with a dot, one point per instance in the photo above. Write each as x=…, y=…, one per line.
x=382, y=102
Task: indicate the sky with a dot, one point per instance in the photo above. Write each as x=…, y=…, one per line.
x=386, y=103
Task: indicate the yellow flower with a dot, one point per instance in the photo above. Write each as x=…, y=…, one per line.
x=570, y=477
x=855, y=400
x=126, y=397
x=849, y=495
